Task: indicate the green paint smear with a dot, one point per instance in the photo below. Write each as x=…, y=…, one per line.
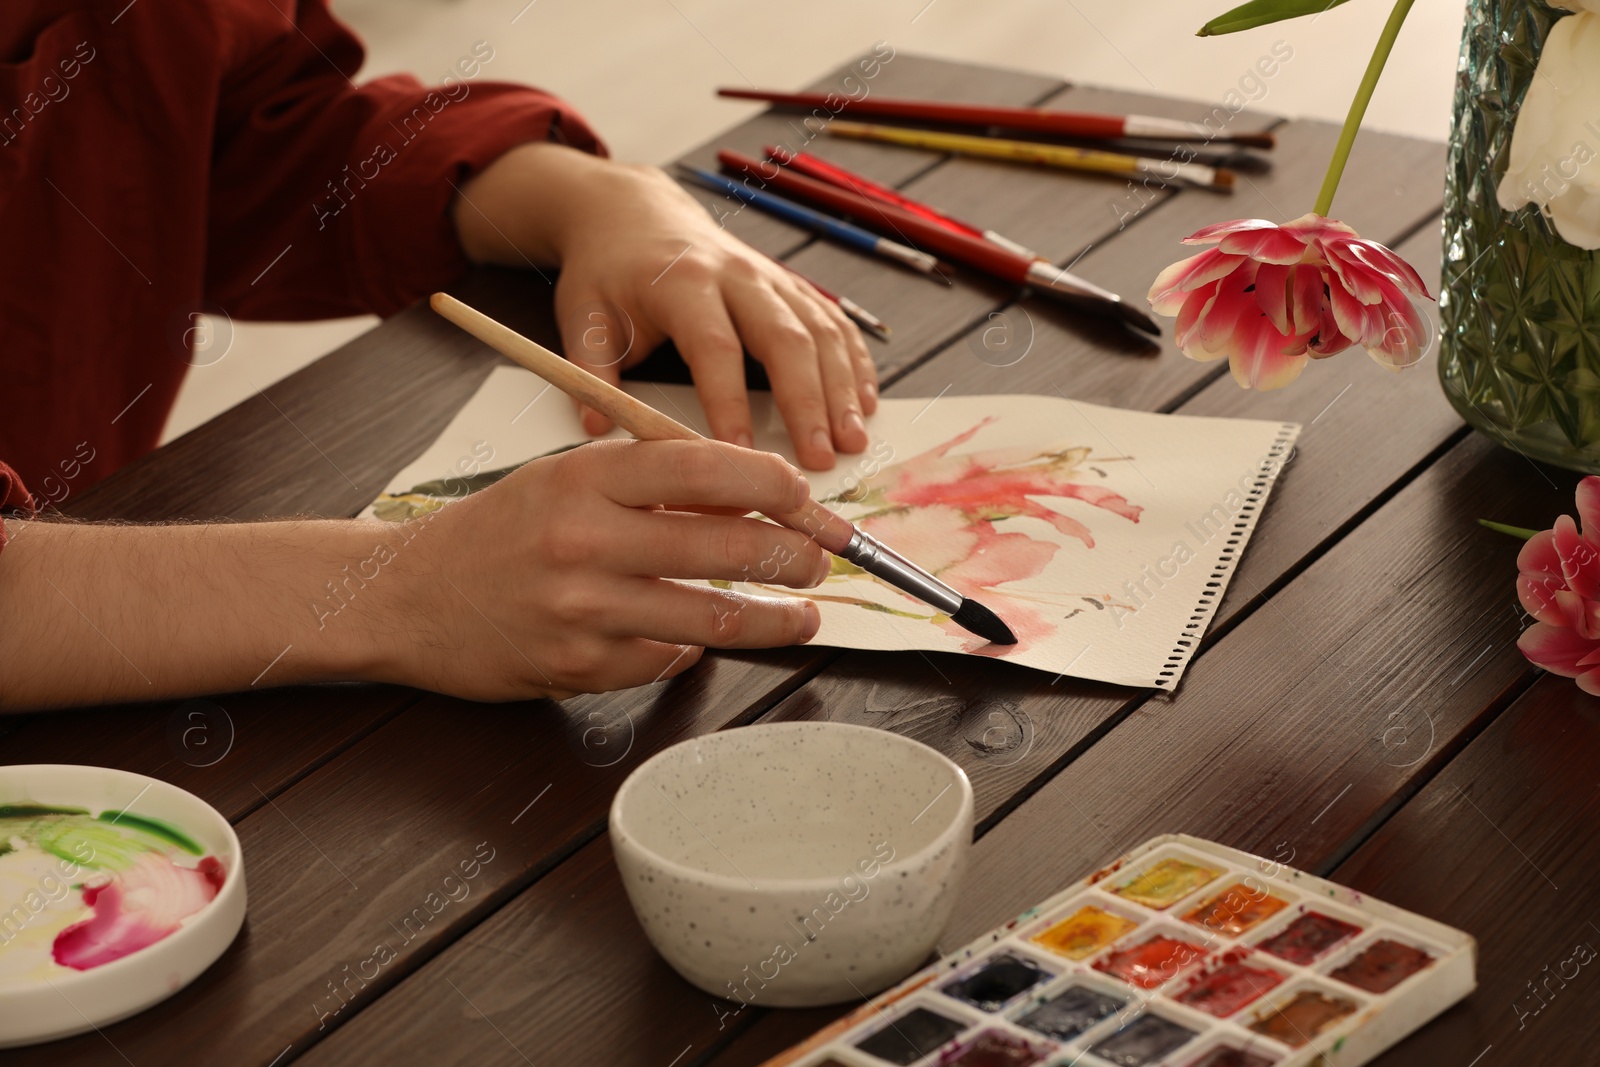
x=33, y=811
x=99, y=843
x=156, y=828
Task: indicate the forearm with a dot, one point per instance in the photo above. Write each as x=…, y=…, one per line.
x=103, y=614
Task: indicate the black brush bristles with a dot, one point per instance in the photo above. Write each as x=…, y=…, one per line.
x=986, y=624
x=1138, y=319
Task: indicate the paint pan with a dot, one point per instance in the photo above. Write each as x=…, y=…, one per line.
x=1182, y=953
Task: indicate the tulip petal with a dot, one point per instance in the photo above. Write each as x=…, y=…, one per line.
x=1307, y=302
x=1376, y=257
x=1210, y=235
x=1556, y=648
x=1580, y=560
x=1192, y=313
x=1538, y=596
x=1400, y=344
x=1538, y=556
x=1187, y=275
x=1588, y=499
x=1313, y=227
x=1265, y=246
x=1272, y=294
x=1263, y=358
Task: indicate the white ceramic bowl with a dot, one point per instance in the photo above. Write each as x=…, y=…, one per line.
x=794, y=864
x=77, y=1001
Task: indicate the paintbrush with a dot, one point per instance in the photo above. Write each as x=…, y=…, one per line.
x=1036, y=119
x=1090, y=295
x=831, y=531
x=1042, y=276
x=1064, y=157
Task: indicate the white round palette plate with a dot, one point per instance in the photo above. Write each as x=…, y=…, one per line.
x=45, y=1007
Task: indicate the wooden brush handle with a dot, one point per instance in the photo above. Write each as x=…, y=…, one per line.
x=632, y=414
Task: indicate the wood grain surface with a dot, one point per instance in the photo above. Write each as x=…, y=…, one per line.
x=1358, y=696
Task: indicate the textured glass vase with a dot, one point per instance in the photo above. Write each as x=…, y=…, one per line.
x=1519, y=352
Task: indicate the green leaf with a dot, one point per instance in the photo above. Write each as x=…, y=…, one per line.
x=1514, y=531
x=1255, y=13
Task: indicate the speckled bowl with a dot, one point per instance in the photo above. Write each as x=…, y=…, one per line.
x=793, y=864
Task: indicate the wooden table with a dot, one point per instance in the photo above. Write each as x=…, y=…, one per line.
x=1359, y=703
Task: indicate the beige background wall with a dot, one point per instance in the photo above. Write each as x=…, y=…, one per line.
x=644, y=72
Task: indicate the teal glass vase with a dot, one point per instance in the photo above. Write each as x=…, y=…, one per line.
x=1519, y=345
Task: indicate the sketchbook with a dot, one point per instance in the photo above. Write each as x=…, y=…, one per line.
x=1104, y=538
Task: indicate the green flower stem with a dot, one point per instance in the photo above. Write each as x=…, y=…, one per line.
x=1514, y=531
x=1358, y=106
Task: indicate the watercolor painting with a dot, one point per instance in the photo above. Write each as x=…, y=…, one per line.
x=945, y=509
x=1104, y=538
x=89, y=890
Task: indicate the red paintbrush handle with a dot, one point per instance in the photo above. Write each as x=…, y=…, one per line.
x=820, y=169
x=887, y=219
x=1067, y=123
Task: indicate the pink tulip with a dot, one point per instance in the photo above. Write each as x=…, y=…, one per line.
x=1271, y=297
x=1559, y=585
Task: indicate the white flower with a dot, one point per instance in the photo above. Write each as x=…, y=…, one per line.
x=1556, y=141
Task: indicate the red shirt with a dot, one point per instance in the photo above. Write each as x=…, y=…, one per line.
x=165, y=156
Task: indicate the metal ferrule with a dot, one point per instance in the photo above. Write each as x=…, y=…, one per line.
x=911, y=257
x=1053, y=279
x=878, y=559
x=1147, y=126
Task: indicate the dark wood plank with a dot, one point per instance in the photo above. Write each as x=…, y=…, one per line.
x=234, y=751
x=1501, y=844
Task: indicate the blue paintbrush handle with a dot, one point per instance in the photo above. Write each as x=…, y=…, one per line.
x=843, y=232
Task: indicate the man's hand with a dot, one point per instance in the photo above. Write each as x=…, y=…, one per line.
x=641, y=262
x=554, y=581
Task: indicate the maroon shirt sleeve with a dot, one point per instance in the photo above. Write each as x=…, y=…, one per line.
x=12, y=496
x=157, y=159
x=350, y=184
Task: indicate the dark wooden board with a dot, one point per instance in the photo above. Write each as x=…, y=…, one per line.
x=234, y=751
x=1501, y=844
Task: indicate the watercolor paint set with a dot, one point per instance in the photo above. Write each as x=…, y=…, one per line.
x=1184, y=953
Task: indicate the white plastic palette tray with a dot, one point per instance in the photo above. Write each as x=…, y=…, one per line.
x=1191, y=954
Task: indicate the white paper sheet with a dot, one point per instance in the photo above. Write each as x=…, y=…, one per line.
x=1104, y=538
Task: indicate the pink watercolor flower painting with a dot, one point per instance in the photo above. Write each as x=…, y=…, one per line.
x=944, y=509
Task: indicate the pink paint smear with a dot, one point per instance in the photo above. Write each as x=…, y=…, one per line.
x=136, y=908
x=943, y=509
